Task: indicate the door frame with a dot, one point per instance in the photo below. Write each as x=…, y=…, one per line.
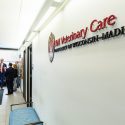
x=29, y=75
x=24, y=74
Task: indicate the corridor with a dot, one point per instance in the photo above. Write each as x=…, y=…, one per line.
x=70, y=57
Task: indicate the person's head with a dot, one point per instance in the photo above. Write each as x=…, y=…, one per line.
x=2, y=60
x=14, y=66
x=10, y=64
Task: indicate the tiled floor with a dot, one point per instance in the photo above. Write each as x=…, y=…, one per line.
x=16, y=97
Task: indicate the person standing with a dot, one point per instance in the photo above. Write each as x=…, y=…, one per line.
x=1, y=83
x=15, y=77
x=18, y=73
x=9, y=74
x=3, y=67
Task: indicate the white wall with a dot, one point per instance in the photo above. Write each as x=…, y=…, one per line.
x=85, y=85
x=9, y=55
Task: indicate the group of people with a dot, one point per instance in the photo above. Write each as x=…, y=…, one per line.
x=9, y=76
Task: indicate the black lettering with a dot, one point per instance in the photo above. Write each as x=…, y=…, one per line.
x=96, y=38
x=84, y=42
x=81, y=43
x=89, y=40
x=75, y=44
x=69, y=46
x=104, y=36
x=123, y=30
x=110, y=34
x=117, y=32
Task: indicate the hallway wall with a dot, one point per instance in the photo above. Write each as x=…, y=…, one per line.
x=84, y=85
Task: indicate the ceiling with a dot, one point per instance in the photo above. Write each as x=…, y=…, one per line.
x=16, y=18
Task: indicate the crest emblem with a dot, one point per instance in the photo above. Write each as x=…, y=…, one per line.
x=51, y=46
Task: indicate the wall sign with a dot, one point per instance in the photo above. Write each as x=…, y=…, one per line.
x=66, y=42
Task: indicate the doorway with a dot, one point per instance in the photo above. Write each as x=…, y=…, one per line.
x=24, y=75
x=29, y=75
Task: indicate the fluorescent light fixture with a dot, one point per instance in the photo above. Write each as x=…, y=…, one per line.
x=45, y=17
x=59, y=1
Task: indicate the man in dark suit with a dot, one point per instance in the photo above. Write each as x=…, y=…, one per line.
x=3, y=67
x=9, y=74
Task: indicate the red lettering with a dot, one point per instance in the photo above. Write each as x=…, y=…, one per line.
x=57, y=42
x=63, y=40
x=98, y=25
x=67, y=39
x=83, y=32
x=111, y=20
x=104, y=22
x=92, y=27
